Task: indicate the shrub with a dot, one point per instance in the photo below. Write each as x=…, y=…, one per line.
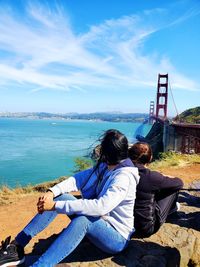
x=82, y=164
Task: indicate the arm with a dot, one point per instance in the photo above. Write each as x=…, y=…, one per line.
x=162, y=182
x=73, y=183
x=113, y=196
x=46, y=202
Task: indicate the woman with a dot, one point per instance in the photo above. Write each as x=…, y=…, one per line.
x=156, y=195
x=104, y=214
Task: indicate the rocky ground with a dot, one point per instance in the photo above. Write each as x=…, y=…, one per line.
x=177, y=243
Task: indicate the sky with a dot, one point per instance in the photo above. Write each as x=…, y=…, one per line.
x=86, y=56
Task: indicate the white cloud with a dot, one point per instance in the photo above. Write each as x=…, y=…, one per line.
x=42, y=50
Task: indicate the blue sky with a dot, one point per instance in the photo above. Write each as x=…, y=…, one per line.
x=97, y=55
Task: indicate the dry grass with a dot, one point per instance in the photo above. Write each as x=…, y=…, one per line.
x=9, y=195
x=172, y=159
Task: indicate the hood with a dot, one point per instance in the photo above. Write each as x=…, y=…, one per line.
x=128, y=165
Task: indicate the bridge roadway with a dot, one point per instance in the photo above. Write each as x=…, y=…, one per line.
x=176, y=136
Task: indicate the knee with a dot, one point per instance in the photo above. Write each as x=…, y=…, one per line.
x=81, y=219
x=86, y=222
x=81, y=222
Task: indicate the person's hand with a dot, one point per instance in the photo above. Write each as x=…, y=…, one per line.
x=170, y=176
x=45, y=202
x=47, y=195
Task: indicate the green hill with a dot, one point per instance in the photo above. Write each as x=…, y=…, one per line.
x=191, y=115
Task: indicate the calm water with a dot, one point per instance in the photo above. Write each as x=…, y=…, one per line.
x=34, y=151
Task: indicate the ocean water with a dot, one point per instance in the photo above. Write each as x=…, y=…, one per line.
x=35, y=151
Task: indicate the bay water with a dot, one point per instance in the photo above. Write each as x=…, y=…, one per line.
x=35, y=151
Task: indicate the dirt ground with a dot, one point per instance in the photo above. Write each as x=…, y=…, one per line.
x=14, y=216
x=187, y=173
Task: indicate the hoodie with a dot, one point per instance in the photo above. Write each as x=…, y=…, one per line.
x=111, y=198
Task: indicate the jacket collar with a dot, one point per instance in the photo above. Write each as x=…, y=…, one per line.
x=125, y=163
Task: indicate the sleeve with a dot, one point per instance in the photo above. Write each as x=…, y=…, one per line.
x=73, y=183
x=162, y=182
x=113, y=196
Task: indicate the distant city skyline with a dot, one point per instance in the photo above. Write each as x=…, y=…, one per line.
x=93, y=56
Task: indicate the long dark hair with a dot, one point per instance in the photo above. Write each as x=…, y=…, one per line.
x=112, y=149
x=141, y=153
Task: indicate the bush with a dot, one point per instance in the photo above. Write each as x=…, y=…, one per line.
x=82, y=164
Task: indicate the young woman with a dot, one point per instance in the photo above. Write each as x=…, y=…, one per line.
x=156, y=195
x=104, y=214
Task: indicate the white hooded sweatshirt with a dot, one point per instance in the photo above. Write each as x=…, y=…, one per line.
x=113, y=199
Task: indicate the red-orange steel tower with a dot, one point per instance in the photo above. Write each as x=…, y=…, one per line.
x=151, y=112
x=162, y=95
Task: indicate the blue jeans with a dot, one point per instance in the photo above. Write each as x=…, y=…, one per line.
x=98, y=231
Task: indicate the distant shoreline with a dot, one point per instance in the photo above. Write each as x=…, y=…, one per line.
x=98, y=116
x=50, y=119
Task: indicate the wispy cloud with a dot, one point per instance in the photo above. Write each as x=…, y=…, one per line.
x=43, y=51
x=195, y=11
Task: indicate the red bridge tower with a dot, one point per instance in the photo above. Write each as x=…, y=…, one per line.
x=162, y=96
x=151, y=112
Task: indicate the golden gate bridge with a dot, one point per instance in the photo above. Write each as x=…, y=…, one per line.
x=166, y=135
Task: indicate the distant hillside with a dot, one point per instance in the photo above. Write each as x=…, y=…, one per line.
x=103, y=116
x=114, y=117
x=191, y=115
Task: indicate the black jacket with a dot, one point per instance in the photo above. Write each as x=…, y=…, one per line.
x=152, y=187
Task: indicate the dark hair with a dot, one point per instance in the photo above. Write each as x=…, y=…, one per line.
x=113, y=147
x=140, y=153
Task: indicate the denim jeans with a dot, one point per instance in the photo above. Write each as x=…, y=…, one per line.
x=98, y=231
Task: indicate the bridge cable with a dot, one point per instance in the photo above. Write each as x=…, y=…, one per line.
x=174, y=101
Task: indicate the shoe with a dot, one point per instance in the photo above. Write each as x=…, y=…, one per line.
x=178, y=206
x=175, y=209
x=10, y=253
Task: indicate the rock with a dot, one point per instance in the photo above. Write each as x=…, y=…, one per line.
x=177, y=243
